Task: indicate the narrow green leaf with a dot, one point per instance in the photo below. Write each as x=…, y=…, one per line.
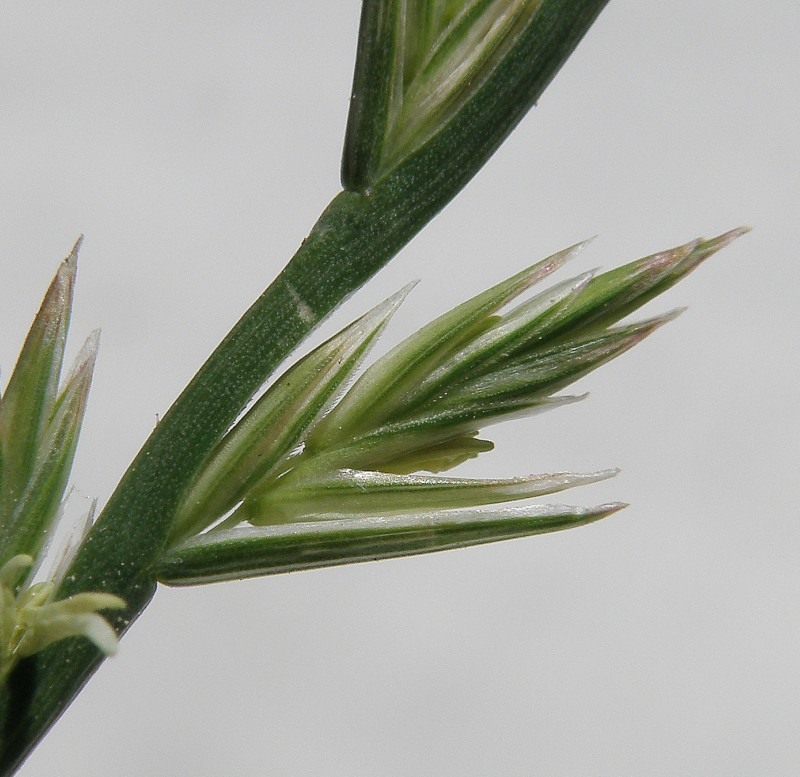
x=375, y=80
x=510, y=334
x=32, y=388
x=541, y=374
x=37, y=507
x=253, y=551
x=357, y=492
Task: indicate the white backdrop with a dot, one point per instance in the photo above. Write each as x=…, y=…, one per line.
x=194, y=143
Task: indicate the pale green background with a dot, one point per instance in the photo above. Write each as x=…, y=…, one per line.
x=194, y=143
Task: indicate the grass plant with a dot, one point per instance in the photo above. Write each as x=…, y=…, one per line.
x=334, y=463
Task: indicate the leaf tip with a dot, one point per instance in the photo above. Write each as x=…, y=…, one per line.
x=714, y=244
x=609, y=508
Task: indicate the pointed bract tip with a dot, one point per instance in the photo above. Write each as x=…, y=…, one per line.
x=726, y=238
x=537, y=272
x=612, y=507
x=55, y=309
x=560, y=258
x=389, y=306
x=672, y=257
x=76, y=247
x=60, y=290
x=85, y=360
x=649, y=325
x=585, y=243
x=670, y=315
x=591, y=477
x=399, y=296
x=585, y=478
x=567, y=399
x=374, y=321
x=65, y=276
x=92, y=342
x=572, y=251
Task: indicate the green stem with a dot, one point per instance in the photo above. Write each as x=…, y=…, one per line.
x=355, y=236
